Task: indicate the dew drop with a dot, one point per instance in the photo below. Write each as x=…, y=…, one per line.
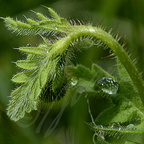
x=115, y=125
x=56, y=28
x=74, y=81
x=28, y=45
x=101, y=134
x=120, y=128
x=101, y=126
x=107, y=85
x=131, y=126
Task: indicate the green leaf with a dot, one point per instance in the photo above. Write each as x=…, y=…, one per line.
x=96, y=72
x=34, y=50
x=120, y=113
x=126, y=115
x=126, y=105
x=21, y=102
x=27, y=64
x=41, y=17
x=42, y=70
x=123, y=74
x=88, y=78
x=32, y=22
x=21, y=77
x=54, y=14
x=100, y=72
x=26, y=97
x=116, y=131
x=45, y=25
x=80, y=72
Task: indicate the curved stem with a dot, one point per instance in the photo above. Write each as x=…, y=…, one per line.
x=78, y=31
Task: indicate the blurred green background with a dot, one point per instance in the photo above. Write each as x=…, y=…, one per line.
x=126, y=17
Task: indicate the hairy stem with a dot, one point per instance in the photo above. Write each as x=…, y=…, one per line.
x=79, y=31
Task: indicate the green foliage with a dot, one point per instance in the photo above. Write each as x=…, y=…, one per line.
x=48, y=68
x=41, y=26
x=124, y=117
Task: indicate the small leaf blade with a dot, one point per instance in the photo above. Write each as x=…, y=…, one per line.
x=34, y=50
x=27, y=64
x=21, y=77
x=20, y=103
